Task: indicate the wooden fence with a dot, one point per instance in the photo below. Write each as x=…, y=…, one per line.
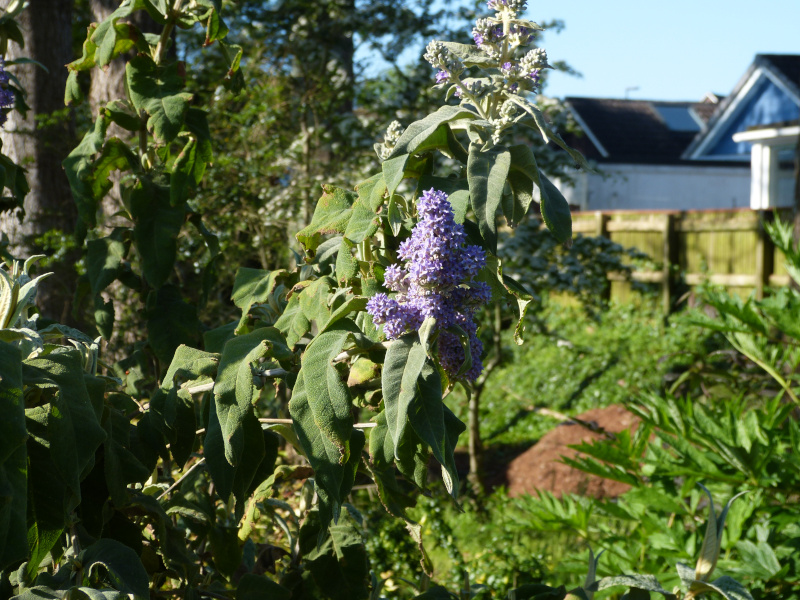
x=725, y=247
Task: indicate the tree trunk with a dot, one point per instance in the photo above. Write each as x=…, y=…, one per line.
x=109, y=84
x=41, y=146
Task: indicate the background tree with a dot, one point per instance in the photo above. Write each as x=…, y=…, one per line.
x=38, y=139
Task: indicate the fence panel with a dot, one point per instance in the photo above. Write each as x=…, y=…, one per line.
x=726, y=247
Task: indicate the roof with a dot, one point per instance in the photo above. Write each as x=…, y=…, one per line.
x=637, y=131
x=784, y=68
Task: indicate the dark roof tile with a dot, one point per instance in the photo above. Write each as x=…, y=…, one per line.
x=631, y=131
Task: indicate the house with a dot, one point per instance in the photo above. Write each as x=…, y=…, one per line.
x=731, y=152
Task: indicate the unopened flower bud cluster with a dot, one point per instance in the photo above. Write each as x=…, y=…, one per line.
x=513, y=6
x=435, y=280
x=502, y=39
x=440, y=57
x=390, y=138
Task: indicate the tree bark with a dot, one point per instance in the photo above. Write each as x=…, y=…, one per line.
x=108, y=84
x=40, y=145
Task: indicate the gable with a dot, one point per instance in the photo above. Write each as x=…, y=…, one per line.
x=766, y=104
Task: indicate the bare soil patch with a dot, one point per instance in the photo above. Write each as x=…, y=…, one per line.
x=540, y=467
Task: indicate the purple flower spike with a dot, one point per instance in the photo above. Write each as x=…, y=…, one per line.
x=442, y=76
x=435, y=281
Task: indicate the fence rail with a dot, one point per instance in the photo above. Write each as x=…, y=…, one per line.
x=726, y=247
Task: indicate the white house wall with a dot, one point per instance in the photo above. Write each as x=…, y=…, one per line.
x=660, y=187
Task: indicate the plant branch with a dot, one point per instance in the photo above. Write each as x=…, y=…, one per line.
x=167, y=32
x=183, y=477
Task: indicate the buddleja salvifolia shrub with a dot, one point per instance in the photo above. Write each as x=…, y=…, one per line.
x=436, y=283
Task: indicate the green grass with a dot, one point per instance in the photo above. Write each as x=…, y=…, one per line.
x=583, y=364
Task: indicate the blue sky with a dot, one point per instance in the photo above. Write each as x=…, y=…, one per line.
x=673, y=50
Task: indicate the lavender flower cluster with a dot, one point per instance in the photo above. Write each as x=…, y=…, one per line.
x=436, y=281
x=6, y=95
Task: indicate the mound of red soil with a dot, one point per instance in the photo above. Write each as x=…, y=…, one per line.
x=540, y=468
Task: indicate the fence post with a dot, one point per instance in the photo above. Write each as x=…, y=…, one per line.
x=669, y=250
x=600, y=230
x=600, y=224
x=764, y=255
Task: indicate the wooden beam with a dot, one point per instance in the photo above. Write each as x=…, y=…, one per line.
x=700, y=226
x=726, y=279
x=650, y=225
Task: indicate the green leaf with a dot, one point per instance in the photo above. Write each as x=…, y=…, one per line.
x=436, y=592
x=470, y=54
x=457, y=192
x=70, y=422
x=421, y=136
x=215, y=28
x=337, y=558
x=293, y=323
x=13, y=459
x=364, y=221
x=73, y=94
x=171, y=321
x=381, y=449
x=331, y=215
x=122, y=113
x=259, y=587
x=350, y=305
x=155, y=233
x=314, y=299
x=643, y=582
x=402, y=368
x=346, y=263
x=113, y=39
x=253, y=286
x=555, y=211
x=547, y=132
x=49, y=500
x=121, y=466
x=104, y=258
x=214, y=339
x=234, y=79
x=725, y=586
x=325, y=456
x=435, y=424
x=328, y=396
x=486, y=173
x=393, y=170
x=157, y=91
x=234, y=389
x=371, y=192
x=225, y=549
x=124, y=568
x=524, y=174
x=189, y=364
x=425, y=134
x=104, y=317
x=39, y=592
x=79, y=167
x=760, y=558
